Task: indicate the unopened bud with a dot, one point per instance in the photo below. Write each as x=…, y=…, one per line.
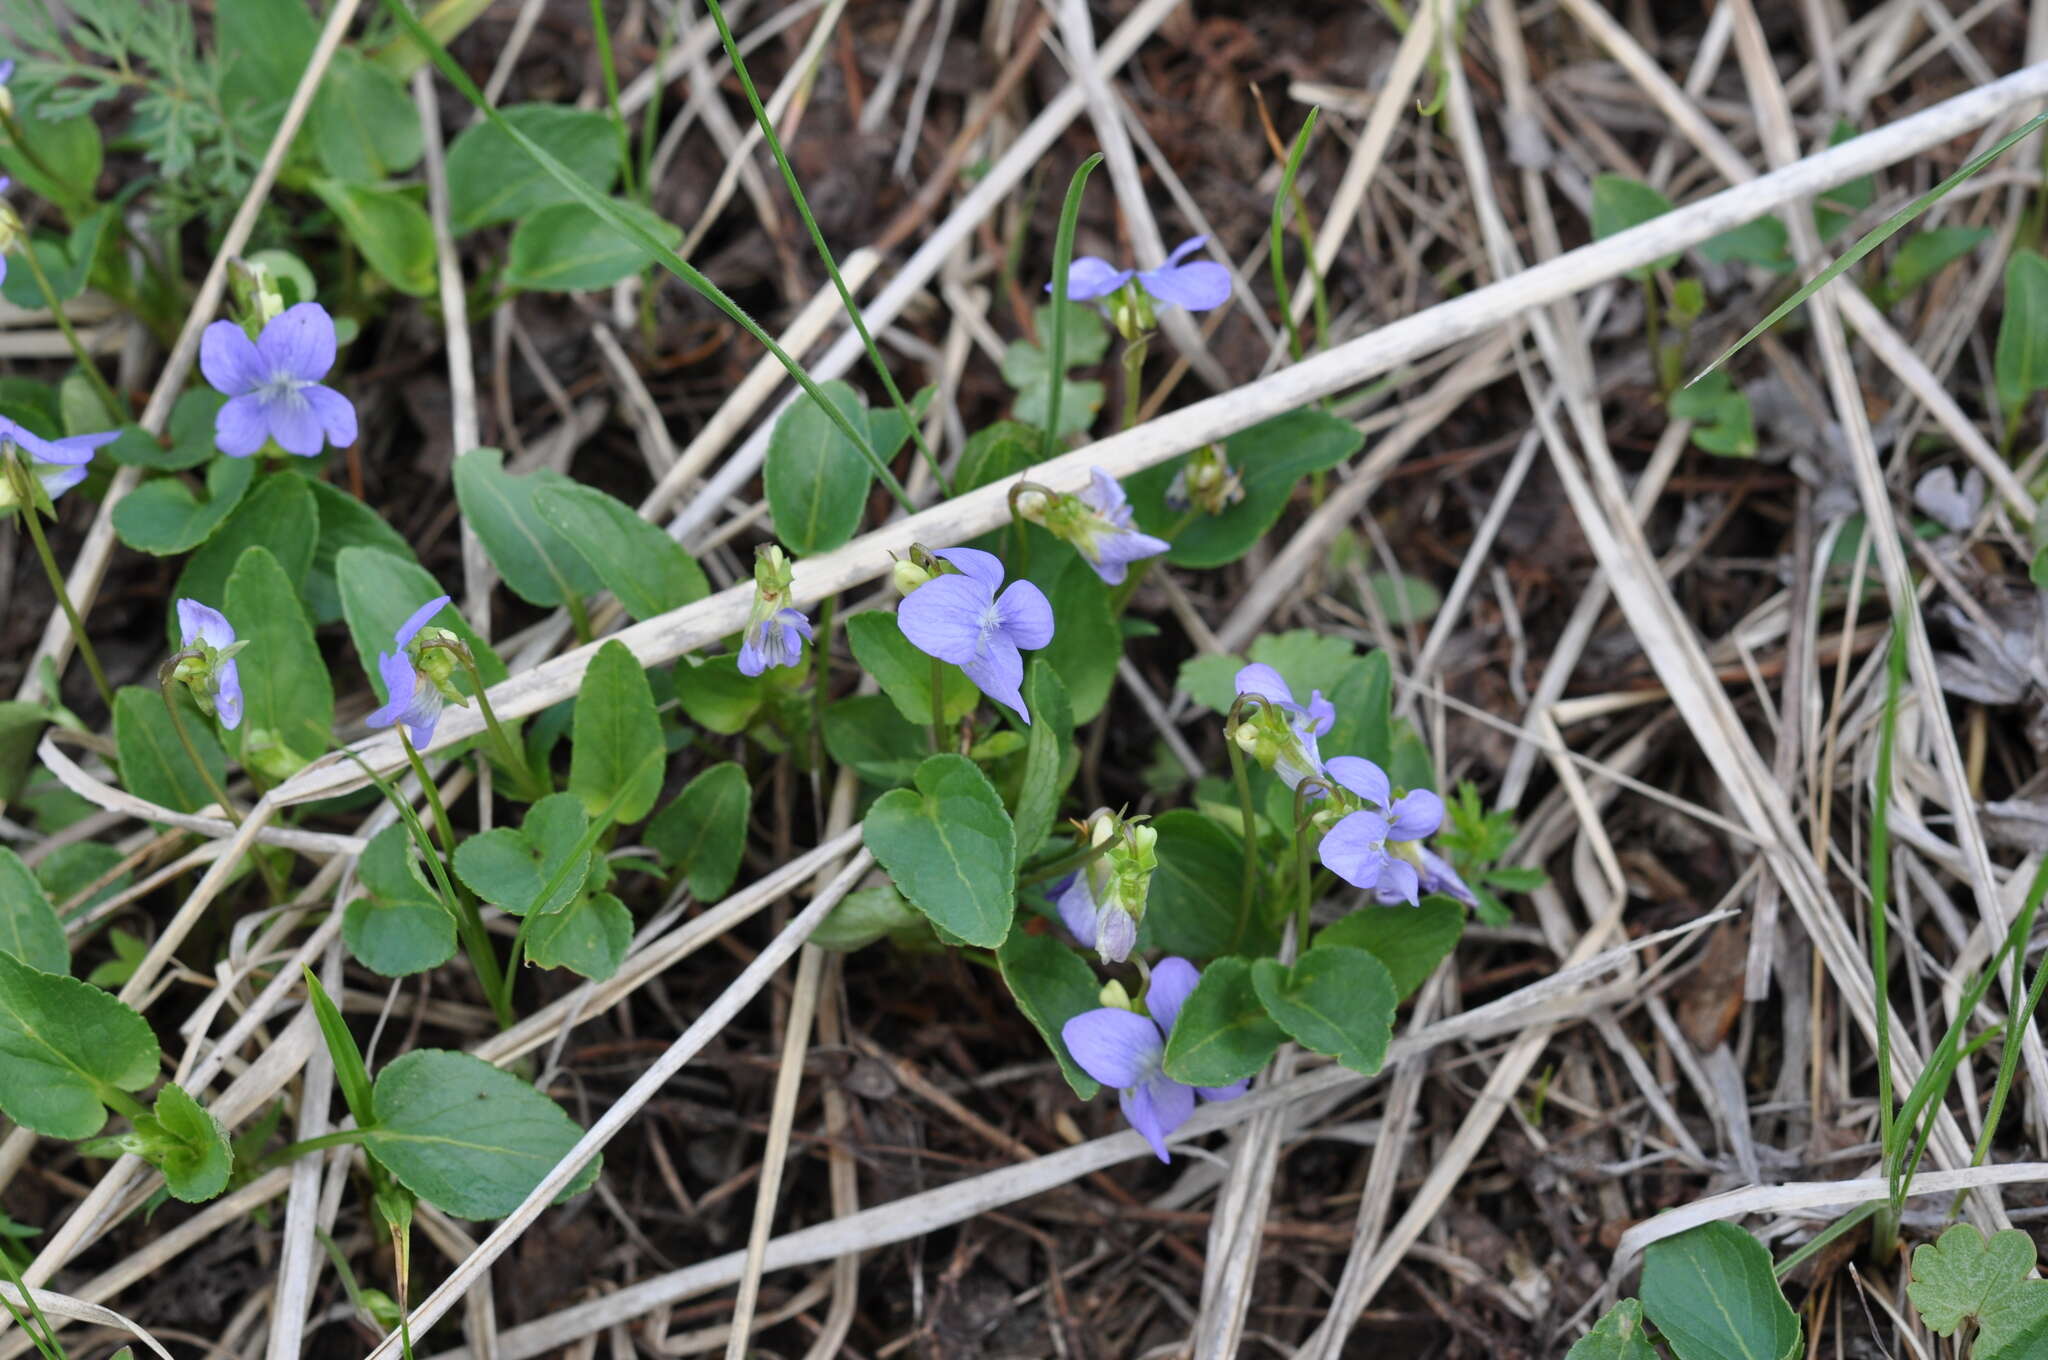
x=1114, y=995
x=908, y=576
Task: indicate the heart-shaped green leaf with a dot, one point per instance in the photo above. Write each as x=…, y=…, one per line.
x=702, y=833
x=538, y=868
x=400, y=926
x=1223, y=1033
x=465, y=1137
x=1334, y=1000
x=165, y=516
x=62, y=1043
x=950, y=847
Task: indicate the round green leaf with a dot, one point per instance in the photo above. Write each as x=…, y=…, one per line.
x=186, y=1143
x=589, y=937
x=1223, y=1034
x=950, y=847
x=1711, y=1292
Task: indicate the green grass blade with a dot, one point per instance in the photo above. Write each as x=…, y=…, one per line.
x=803, y=207
x=581, y=191
x=1062, y=256
x=1276, y=256
x=1875, y=238
x=1880, y=886
x=603, y=29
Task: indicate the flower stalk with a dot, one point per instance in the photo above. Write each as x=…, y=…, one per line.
x=22, y=482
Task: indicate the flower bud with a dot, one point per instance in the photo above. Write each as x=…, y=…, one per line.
x=10, y=222
x=437, y=653
x=1032, y=503
x=907, y=576
x=1114, y=995
x=257, y=296
x=1130, y=311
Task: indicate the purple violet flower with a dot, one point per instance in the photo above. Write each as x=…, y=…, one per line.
x=1439, y=877
x=1198, y=286
x=273, y=384
x=777, y=640
x=415, y=699
x=1104, y=927
x=1288, y=745
x=207, y=631
x=1356, y=848
x=960, y=618
x=59, y=464
x=1123, y=1049
x=1110, y=543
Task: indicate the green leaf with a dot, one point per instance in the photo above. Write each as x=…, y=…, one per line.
x=1211, y=680
x=1270, y=459
x=1028, y=369
x=817, y=481
x=570, y=249
x=1721, y=416
x=288, y=701
x=865, y=733
x=715, y=695
x=29, y=929
x=1193, y=907
x=1620, y=203
x=185, y=1142
x=1087, y=644
x=400, y=927
x=1837, y=207
x=66, y=260
x=378, y=592
x=617, y=755
x=868, y=915
x=1000, y=450
x=465, y=1137
x=1045, y=758
x=21, y=727
x=2020, y=363
x=1961, y=1276
x=1926, y=253
x=1404, y=599
x=1410, y=941
x=1223, y=1034
x=1762, y=243
x=164, y=516
x=538, y=868
x=344, y=522
x=491, y=178
x=702, y=833
x=265, y=45
x=68, y=870
x=1052, y=984
x=349, y=1072
x=389, y=227
x=278, y=514
x=646, y=569
x=1710, y=1292
x=363, y=123
x=535, y=559
x=950, y=848
x=71, y=151
x=1618, y=1335
x=888, y=431
x=154, y=765
x=905, y=673
x=589, y=937
x=1334, y=1000
x=62, y=1042
x=1363, y=695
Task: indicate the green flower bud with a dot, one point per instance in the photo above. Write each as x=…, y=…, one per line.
x=908, y=576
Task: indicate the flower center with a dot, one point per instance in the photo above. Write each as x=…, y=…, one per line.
x=281, y=387
x=991, y=623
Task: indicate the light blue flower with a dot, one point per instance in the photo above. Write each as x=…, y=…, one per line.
x=211, y=674
x=1198, y=286
x=969, y=619
x=1373, y=848
x=415, y=698
x=273, y=384
x=1127, y=1051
